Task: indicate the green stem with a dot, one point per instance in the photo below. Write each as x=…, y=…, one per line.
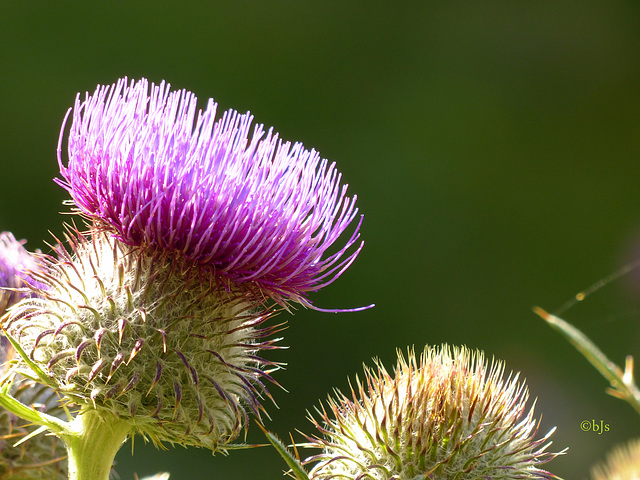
x=622, y=383
x=92, y=443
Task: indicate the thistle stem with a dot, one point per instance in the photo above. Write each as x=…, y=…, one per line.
x=622, y=382
x=92, y=443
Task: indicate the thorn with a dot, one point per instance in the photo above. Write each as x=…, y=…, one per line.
x=261, y=427
x=136, y=378
x=158, y=407
x=99, y=365
x=136, y=349
x=41, y=336
x=294, y=446
x=117, y=361
x=57, y=357
x=84, y=344
x=156, y=378
x=164, y=340
x=112, y=305
x=192, y=371
x=63, y=326
x=94, y=395
x=121, y=324
x=98, y=337
x=70, y=373
x=200, y=409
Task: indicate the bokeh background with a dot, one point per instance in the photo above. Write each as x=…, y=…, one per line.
x=494, y=148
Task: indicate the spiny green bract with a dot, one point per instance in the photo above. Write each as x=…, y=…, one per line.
x=445, y=416
x=147, y=339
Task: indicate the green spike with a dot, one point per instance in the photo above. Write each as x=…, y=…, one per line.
x=294, y=464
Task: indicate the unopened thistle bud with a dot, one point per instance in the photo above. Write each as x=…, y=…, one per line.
x=623, y=463
x=447, y=415
x=261, y=212
x=127, y=332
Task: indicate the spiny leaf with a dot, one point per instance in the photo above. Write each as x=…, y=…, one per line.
x=294, y=464
x=622, y=383
x=44, y=378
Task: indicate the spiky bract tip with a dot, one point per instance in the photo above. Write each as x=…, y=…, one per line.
x=446, y=415
x=121, y=330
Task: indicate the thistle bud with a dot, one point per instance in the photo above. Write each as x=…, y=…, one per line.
x=124, y=331
x=623, y=463
x=446, y=415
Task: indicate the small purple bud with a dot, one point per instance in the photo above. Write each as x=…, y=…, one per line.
x=15, y=264
x=147, y=166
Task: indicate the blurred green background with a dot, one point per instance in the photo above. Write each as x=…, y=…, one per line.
x=493, y=147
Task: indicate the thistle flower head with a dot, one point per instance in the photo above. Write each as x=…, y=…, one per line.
x=445, y=415
x=123, y=331
x=15, y=263
x=264, y=213
x=623, y=463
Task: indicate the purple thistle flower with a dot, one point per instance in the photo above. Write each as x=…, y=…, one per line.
x=262, y=212
x=15, y=263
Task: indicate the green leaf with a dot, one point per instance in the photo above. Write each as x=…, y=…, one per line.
x=622, y=383
x=294, y=464
x=242, y=446
x=30, y=414
x=43, y=377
